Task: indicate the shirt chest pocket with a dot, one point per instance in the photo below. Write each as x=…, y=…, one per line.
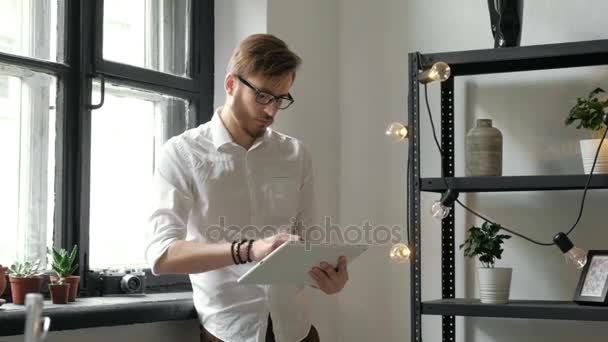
x=222, y=188
x=281, y=193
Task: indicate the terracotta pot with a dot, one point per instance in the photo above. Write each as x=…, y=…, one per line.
x=74, y=282
x=2, y=279
x=59, y=293
x=22, y=286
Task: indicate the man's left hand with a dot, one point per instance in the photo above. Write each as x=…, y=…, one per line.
x=330, y=280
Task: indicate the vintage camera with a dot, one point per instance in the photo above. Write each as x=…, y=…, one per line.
x=122, y=282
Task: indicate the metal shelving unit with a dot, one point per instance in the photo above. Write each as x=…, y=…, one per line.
x=476, y=62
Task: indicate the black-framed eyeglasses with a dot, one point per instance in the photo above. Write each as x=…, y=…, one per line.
x=265, y=98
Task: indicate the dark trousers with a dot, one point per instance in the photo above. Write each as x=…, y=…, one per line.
x=313, y=335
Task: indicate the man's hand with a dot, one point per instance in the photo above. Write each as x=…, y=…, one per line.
x=329, y=279
x=261, y=248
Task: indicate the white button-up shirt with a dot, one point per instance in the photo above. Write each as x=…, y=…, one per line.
x=207, y=188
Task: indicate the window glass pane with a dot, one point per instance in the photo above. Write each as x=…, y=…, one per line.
x=152, y=34
x=27, y=150
x=126, y=134
x=32, y=28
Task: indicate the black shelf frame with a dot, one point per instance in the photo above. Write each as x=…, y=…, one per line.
x=476, y=62
x=528, y=309
x=526, y=58
x=515, y=183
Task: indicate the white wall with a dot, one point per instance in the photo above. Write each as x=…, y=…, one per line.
x=374, y=306
x=234, y=20
x=529, y=108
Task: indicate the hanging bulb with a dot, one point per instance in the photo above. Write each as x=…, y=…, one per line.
x=400, y=253
x=577, y=256
x=441, y=209
x=573, y=255
x=440, y=71
x=397, y=131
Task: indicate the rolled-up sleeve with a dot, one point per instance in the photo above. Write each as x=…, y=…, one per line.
x=171, y=203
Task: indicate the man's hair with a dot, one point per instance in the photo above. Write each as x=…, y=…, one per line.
x=264, y=55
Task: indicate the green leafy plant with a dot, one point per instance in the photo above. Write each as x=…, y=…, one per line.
x=484, y=243
x=589, y=111
x=25, y=269
x=64, y=263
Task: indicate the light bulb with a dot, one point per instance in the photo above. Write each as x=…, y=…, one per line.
x=574, y=255
x=400, y=253
x=577, y=257
x=440, y=71
x=441, y=209
x=397, y=131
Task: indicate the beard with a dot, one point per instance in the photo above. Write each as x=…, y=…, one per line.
x=245, y=119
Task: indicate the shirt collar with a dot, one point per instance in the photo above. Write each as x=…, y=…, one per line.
x=219, y=132
x=221, y=136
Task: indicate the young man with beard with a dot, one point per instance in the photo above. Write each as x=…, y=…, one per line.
x=235, y=171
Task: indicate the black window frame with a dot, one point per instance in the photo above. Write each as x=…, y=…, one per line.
x=83, y=63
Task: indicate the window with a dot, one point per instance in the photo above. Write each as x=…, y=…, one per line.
x=81, y=123
x=126, y=134
x=27, y=128
x=27, y=150
x=32, y=28
x=151, y=34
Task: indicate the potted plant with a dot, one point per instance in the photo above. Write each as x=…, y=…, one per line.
x=485, y=244
x=24, y=278
x=64, y=265
x=590, y=113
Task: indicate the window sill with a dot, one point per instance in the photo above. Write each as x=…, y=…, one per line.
x=104, y=312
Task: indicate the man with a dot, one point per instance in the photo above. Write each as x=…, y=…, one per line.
x=235, y=171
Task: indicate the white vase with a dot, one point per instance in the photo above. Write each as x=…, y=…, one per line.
x=494, y=285
x=588, y=149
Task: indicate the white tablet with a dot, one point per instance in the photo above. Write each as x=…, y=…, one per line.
x=291, y=262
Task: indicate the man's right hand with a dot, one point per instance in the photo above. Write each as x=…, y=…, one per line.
x=261, y=248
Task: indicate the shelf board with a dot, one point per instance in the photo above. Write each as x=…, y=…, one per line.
x=559, y=310
x=523, y=58
x=514, y=183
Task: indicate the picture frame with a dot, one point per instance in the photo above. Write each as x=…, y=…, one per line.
x=593, y=283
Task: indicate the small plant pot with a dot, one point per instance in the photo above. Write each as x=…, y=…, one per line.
x=74, y=282
x=22, y=286
x=60, y=293
x=588, y=150
x=494, y=285
x=2, y=279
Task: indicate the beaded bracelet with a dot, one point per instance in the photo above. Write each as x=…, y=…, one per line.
x=232, y=252
x=238, y=253
x=249, y=251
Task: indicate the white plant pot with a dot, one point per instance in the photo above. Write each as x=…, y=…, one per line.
x=588, y=149
x=494, y=285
